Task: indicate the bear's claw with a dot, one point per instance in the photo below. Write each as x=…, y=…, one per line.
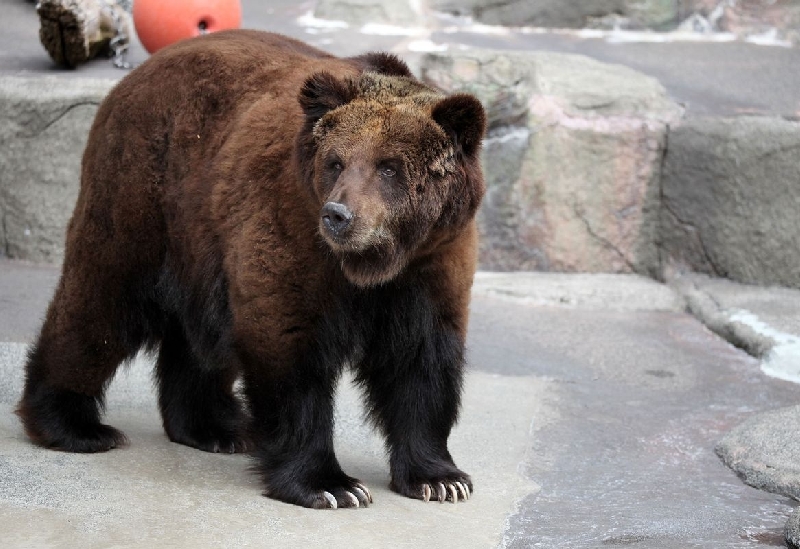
x=355, y=497
x=362, y=493
x=331, y=500
x=444, y=491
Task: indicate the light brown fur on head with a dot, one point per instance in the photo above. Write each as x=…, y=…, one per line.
x=382, y=155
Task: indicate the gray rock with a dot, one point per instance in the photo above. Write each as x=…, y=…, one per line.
x=753, y=18
x=572, y=159
x=539, y=13
x=730, y=199
x=793, y=529
x=44, y=123
x=360, y=12
x=765, y=451
x=564, y=13
x=760, y=320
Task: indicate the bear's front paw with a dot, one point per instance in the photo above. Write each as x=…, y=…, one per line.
x=340, y=494
x=356, y=495
x=450, y=488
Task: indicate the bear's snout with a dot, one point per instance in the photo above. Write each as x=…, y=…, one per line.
x=336, y=218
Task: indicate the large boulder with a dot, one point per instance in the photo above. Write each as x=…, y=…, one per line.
x=563, y=13
x=754, y=17
x=44, y=123
x=514, y=13
x=361, y=12
x=572, y=159
x=731, y=197
x=765, y=452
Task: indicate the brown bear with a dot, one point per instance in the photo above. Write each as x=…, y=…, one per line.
x=253, y=207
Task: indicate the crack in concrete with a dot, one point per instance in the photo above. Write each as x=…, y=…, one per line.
x=38, y=131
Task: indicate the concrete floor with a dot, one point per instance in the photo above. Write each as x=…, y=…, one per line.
x=591, y=412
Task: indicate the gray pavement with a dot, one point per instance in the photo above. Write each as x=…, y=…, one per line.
x=592, y=410
x=731, y=78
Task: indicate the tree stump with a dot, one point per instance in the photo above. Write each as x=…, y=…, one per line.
x=74, y=31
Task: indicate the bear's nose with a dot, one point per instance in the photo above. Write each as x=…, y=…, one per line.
x=336, y=217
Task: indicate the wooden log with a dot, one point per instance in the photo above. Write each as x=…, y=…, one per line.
x=74, y=31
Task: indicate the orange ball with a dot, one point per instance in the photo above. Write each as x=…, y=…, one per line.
x=160, y=23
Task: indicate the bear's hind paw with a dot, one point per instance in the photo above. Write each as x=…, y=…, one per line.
x=90, y=439
x=219, y=443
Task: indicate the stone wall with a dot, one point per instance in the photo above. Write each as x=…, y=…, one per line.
x=44, y=125
x=775, y=19
x=572, y=159
x=589, y=167
x=731, y=200
x=565, y=13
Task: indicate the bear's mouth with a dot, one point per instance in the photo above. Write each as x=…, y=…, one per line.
x=357, y=239
x=370, y=266
x=368, y=255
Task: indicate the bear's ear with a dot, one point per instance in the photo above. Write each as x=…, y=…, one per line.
x=462, y=117
x=383, y=63
x=323, y=92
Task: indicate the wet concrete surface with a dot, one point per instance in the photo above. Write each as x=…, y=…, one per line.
x=641, y=400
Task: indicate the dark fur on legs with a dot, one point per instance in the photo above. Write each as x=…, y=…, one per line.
x=198, y=406
x=66, y=420
x=254, y=205
x=412, y=371
x=61, y=403
x=294, y=450
x=292, y=410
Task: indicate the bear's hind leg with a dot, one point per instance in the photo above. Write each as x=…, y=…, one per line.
x=198, y=406
x=67, y=420
x=67, y=372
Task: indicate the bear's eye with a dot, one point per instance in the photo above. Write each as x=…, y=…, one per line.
x=387, y=171
x=336, y=166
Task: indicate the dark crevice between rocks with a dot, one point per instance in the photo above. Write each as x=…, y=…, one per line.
x=6, y=247
x=689, y=228
x=36, y=132
x=659, y=244
x=698, y=237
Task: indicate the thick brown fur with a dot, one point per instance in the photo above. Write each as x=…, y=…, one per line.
x=251, y=206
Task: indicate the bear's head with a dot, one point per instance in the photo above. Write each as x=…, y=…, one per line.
x=393, y=167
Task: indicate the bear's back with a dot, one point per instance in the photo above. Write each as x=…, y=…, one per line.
x=213, y=78
x=159, y=132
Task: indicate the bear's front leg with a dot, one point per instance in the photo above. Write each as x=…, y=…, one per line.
x=292, y=433
x=413, y=372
